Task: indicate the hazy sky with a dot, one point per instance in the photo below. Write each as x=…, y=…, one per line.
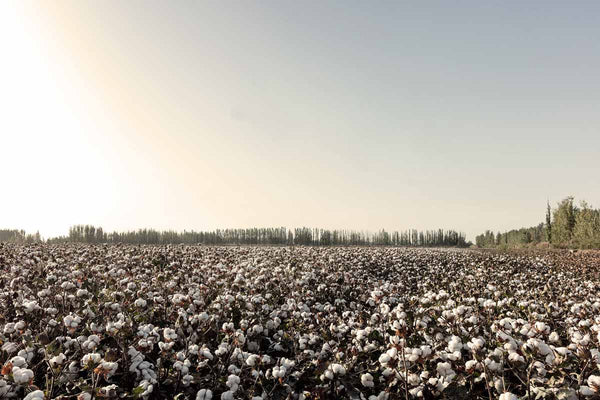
x=366, y=115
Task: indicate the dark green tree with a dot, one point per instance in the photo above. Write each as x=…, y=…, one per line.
x=548, y=223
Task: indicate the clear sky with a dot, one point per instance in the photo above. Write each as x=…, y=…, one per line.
x=334, y=114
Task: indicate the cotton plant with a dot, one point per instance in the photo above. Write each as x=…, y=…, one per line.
x=229, y=323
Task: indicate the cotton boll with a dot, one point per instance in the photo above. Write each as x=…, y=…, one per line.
x=204, y=394
x=35, y=395
x=140, y=303
x=252, y=360
x=586, y=391
x=18, y=361
x=384, y=359
x=338, y=369
x=228, y=395
x=22, y=375
x=232, y=382
x=279, y=372
x=593, y=382
x=367, y=380
x=56, y=361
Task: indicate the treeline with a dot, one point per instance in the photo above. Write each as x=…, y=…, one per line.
x=268, y=236
x=18, y=236
x=566, y=226
x=514, y=238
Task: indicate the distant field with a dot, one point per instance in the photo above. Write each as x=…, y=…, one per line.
x=197, y=322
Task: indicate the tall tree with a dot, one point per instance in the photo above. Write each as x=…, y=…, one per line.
x=548, y=223
x=586, y=232
x=564, y=222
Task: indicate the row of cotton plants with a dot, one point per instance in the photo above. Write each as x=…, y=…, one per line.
x=193, y=322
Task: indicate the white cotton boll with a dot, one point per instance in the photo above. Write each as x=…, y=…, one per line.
x=5, y=387
x=109, y=368
x=35, y=395
x=585, y=340
x=232, y=382
x=240, y=337
x=204, y=394
x=73, y=367
x=10, y=347
x=470, y=365
x=9, y=328
x=540, y=368
x=498, y=384
x=541, y=327
x=508, y=396
x=476, y=344
x=515, y=357
x=140, y=303
x=30, y=306
x=586, y=391
x=370, y=347
x=493, y=365
x=72, y=321
x=187, y=380
x=169, y=334
x=279, y=372
x=91, y=342
x=204, y=352
x=384, y=309
x=393, y=352
x=266, y=359
x=413, y=357
x=223, y=349
x=367, y=380
x=414, y=379
x=89, y=359
x=563, y=351
x=257, y=329
x=454, y=356
x=227, y=326
x=425, y=351
x=193, y=349
x=228, y=395
x=338, y=369
x=454, y=344
x=252, y=360
x=57, y=360
x=165, y=346
x=445, y=369
x=384, y=359
x=510, y=346
x=594, y=382
x=381, y=396
x=18, y=361
x=22, y=375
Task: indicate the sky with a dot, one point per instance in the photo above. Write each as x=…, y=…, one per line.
x=463, y=115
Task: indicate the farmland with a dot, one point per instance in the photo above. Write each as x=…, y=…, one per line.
x=201, y=322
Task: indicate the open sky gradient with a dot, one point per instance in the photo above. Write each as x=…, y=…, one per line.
x=336, y=114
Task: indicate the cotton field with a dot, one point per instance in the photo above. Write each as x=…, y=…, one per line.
x=194, y=322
